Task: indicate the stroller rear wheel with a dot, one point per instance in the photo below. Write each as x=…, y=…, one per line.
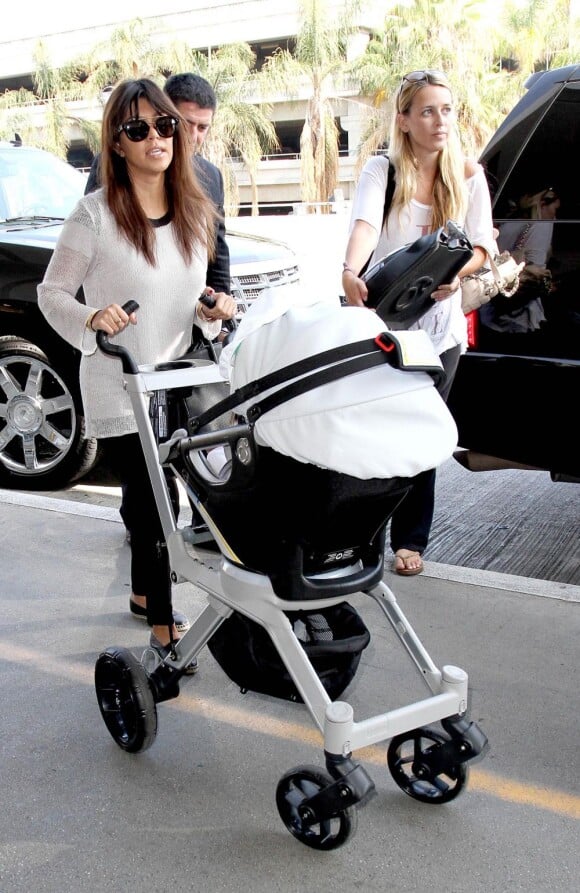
x=422, y=764
x=294, y=789
x=125, y=699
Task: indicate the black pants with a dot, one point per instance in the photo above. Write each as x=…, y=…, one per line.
x=412, y=519
x=150, y=574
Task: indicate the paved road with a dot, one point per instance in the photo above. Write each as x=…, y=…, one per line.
x=196, y=812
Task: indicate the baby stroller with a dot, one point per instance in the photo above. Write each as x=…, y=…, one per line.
x=289, y=581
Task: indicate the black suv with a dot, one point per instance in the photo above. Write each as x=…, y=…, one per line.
x=516, y=388
x=42, y=437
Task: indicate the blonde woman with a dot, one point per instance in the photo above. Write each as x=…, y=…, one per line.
x=434, y=183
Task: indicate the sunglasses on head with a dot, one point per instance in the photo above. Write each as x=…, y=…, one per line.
x=137, y=129
x=423, y=74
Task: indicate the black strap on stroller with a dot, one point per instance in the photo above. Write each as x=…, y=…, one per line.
x=347, y=359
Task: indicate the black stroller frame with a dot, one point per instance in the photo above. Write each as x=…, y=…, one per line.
x=318, y=807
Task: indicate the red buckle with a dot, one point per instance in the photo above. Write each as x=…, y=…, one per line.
x=384, y=345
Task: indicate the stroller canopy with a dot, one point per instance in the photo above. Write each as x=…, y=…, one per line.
x=382, y=422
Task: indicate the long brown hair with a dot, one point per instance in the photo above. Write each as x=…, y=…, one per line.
x=193, y=214
x=449, y=191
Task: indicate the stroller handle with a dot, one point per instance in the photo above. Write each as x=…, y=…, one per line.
x=207, y=300
x=231, y=324
x=115, y=350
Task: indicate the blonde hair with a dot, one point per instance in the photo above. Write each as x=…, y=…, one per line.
x=449, y=191
x=532, y=204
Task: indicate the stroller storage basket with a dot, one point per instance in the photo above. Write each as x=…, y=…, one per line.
x=333, y=639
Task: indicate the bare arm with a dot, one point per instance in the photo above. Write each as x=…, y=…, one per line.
x=361, y=244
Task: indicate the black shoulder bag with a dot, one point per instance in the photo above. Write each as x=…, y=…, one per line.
x=400, y=285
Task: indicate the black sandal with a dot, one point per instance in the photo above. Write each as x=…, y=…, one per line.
x=181, y=622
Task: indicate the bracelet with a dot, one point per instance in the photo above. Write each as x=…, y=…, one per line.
x=89, y=322
x=347, y=269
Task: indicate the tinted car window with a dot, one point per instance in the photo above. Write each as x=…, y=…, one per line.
x=533, y=176
x=516, y=384
x=549, y=158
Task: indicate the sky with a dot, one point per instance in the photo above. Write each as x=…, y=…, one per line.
x=37, y=18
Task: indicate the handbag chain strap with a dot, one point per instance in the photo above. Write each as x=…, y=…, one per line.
x=522, y=238
x=506, y=287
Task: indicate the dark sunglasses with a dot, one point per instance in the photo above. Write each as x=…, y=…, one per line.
x=416, y=77
x=137, y=129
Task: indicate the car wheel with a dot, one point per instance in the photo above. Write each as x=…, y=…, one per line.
x=42, y=432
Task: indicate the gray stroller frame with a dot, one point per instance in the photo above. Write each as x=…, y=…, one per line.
x=318, y=807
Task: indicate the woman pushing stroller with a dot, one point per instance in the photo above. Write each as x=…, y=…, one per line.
x=146, y=235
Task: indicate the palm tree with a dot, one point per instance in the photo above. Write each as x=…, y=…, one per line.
x=53, y=90
x=318, y=60
x=443, y=34
x=15, y=117
x=128, y=52
x=241, y=128
x=541, y=35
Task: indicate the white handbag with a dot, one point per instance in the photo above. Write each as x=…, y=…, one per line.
x=501, y=276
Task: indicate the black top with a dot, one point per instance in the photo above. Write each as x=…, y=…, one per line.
x=161, y=221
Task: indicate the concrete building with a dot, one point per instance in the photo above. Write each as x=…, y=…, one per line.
x=205, y=24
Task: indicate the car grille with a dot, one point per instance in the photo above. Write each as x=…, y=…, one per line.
x=245, y=289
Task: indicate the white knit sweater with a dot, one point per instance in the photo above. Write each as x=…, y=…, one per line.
x=92, y=253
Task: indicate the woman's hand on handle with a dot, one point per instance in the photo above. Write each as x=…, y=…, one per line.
x=355, y=290
x=361, y=244
x=112, y=320
x=217, y=305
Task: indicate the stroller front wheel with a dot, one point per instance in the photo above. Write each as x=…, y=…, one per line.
x=294, y=789
x=422, y=764
x=125, y=699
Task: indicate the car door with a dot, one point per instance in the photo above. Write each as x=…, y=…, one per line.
x=514, y=389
